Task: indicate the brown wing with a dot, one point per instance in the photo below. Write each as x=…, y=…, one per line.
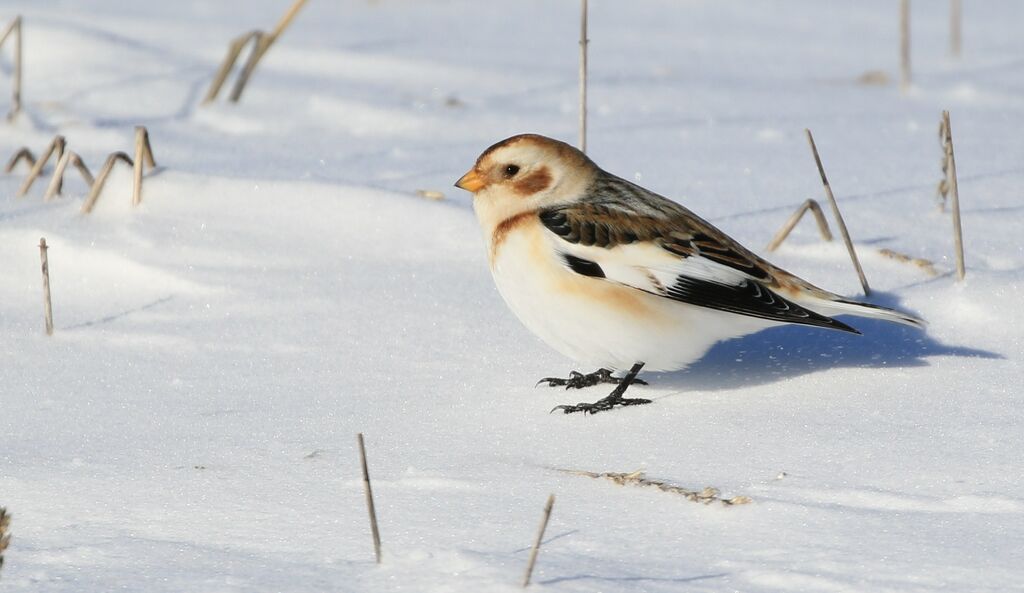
x=619, y=213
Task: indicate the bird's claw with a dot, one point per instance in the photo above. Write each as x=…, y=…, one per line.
x=602, y=405
x=578, y=380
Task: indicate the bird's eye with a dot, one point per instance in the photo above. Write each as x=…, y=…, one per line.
x=511, y=170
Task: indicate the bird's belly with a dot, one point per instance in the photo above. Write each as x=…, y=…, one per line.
x=602, y=323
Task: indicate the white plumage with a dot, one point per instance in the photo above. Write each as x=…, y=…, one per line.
x=599, y=323
x=613, y=275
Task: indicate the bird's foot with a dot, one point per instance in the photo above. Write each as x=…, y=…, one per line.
x=578, y=380
x=601, y=405
x=614, y=398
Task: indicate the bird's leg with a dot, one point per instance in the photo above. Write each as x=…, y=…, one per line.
x=578, y=380
x=614, y=398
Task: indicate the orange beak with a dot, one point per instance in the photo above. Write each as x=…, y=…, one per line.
x=471, y=182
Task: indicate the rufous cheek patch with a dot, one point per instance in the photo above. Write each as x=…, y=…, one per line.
x=537, y=181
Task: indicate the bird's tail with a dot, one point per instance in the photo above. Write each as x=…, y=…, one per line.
x=839, y=306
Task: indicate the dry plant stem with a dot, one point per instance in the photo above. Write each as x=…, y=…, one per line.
x=80, y=165
x=904, y=45
x=56, y=146
x=97, y=186
x=955, y=18
x=262, y=42
x=143, y=156
x=943, y=188
x=583, y=75
x=70, y=157
x=927, y=266
x=11, y=26
x=234, y=48
x=47, y=306
x=23, y=153
x=369, y=499
x=787, y=228
x=707, y=495
x=287, y=18
x=430, y=194
x=839, y=217
x=53, y=188
x=260, y=47
x=5, y=538
x=15, y=27
x=958, y=236
x=540, y=537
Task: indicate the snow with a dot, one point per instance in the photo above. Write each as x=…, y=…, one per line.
x=191, y=424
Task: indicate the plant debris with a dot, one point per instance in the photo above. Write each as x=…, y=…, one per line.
x=430, y=194
x=926, y=265
x=5, y=538
x=707, y=495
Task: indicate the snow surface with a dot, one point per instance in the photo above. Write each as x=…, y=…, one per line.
x=191, y=424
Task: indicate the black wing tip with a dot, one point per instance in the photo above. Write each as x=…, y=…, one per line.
x=888, y=313
x=840, y=326
x=752, y=299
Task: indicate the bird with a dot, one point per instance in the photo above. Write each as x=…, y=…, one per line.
x=614, y=275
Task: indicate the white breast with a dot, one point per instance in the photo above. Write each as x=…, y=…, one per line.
x=598, y=322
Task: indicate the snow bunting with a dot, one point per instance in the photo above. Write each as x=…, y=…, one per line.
x=611, y=274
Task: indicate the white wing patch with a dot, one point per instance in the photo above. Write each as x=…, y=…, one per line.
x=692, y=279
x=647, y=267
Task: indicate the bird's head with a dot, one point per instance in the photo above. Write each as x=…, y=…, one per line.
x=526, y=172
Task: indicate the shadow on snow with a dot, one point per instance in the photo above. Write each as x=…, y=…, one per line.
x=789, y=351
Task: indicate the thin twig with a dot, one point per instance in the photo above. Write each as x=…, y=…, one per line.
x=927, y=266
x=143, y=156
x=56, y=146
x=430, y=194
x=286, y=19
x=56, y=180
x=839, y=217
x=260, y=47
x=904, y=45
x=958, y=237
x=369, y=499
x=261, y=43
x=23, y=154
x=819, y=216
x=942, y=191
x=15, y=27
x=234, y=48
x=47, y=306
x=540, y=538
x=955, y=17
x=11, y=26
x=583, y=75
x=5, y=538
x=80, y=165
x=101, y=179
x=18, y=65
x=70, y=157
